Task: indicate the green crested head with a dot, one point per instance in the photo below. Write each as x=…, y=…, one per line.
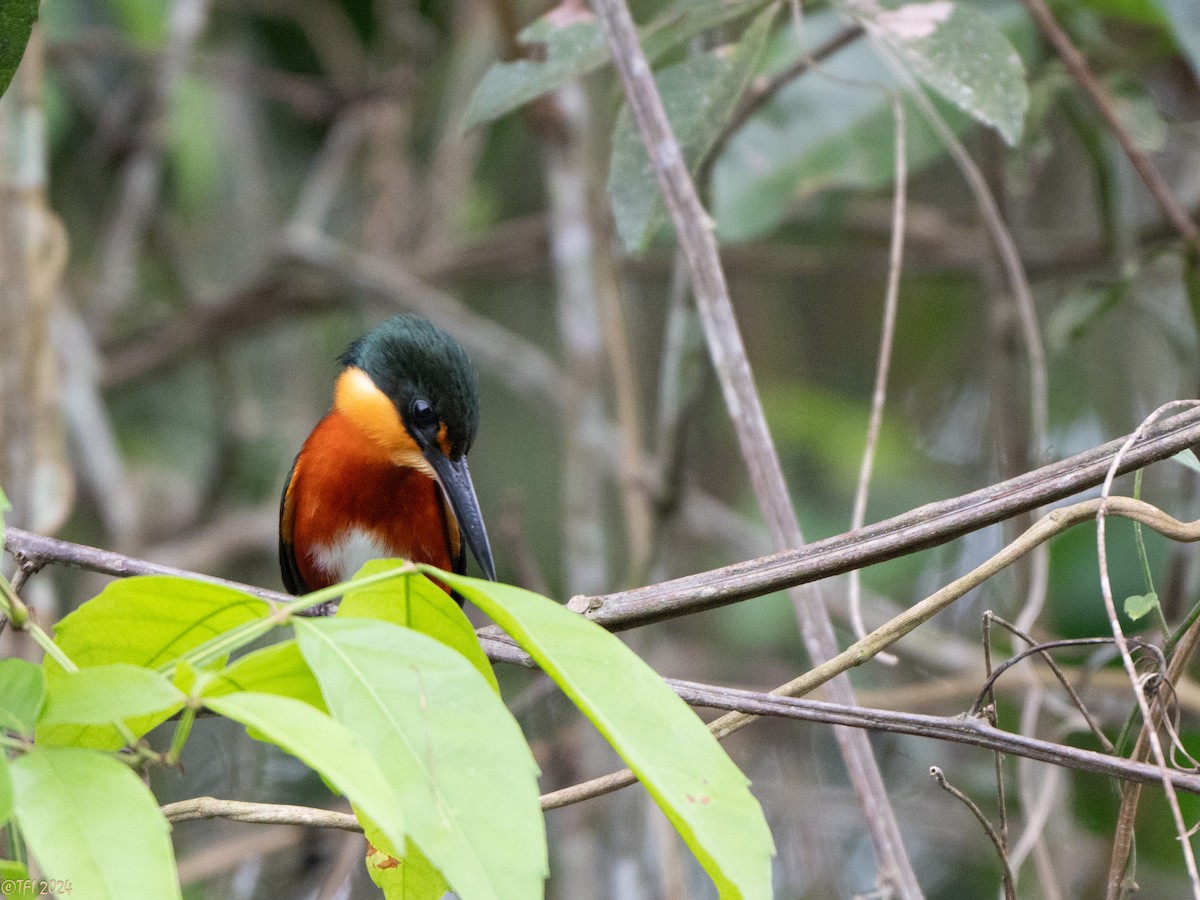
x=426, y=375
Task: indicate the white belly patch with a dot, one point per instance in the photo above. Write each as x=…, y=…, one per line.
x=353, y=549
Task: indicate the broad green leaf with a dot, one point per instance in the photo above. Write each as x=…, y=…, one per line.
x=1185, y=22
x=960, y=53
x=415, y=602
x=324, y=745
x=277, y=669
x=699, y=96
x=22, y=693
x=467, y=781
x=144, y=621
x=6, y=791
x=567, y=50
x=16, y=24
x=116, y=692
x=681, y=764
x=570, y=48
x=89, y=820
x=410, y=878
x=1140, y=605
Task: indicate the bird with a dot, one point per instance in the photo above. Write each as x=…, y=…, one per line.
x=384, y=474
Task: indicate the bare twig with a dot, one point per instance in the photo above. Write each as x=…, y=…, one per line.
x=259, y=813
x=926, y=526
x=1010, y=890
x=879, y=395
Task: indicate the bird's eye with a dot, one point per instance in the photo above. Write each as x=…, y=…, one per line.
x=422, y=414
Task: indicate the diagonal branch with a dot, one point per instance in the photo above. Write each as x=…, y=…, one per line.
x=694, y=229
x=1077, y=65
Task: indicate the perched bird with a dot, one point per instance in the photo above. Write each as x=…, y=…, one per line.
x=384, y=474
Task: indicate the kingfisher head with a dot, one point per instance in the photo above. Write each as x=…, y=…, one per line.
x=413, y=391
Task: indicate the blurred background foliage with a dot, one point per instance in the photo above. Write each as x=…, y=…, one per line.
x=246, y=186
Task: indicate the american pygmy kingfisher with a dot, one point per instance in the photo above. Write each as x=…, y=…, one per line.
x=384, y=474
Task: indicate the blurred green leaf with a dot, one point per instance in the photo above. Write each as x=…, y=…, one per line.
x=416, y=602
x=278, y=669
x=1185, y=22
x=1140, y=605
x=6, y=790
x=144, y=20
x=1187, y=458
x=16, y=24
x=323, y=744
x=98, y=695
x=662, y=740
x=569, y=48
x=89, y=820
x=196, y=166
x=22, y=693
x=1137, y=110
x=960, y=53
x=144, y=621
x=467, y=781
x=818, y=133
x=5, y=506
x=699, y=96
x=1143, y=12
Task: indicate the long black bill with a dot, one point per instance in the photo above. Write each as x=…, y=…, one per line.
x=456, y=482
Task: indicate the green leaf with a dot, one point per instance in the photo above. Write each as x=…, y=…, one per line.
x=960, y=53
x=89, y=820
x=325, y=746
x=144, y=621
x=567, y=50
x=467, y=781
x=22, y=693
x=6, y=791
x=1187, y=458
x=1186, y=25
x=102, y=694
x=278, y=669
x=681, y=764
x=413, y=601
x=16, y=24
x=5, y=506
x=410, y=878
x=699, y=96
x=570, y=48
x=1140, y=605
x=818, y=133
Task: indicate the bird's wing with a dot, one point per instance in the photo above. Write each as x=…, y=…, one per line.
x=288, y=567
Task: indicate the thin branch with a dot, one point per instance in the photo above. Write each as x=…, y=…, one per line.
x=694, y=230
x=1077, y=65
x=918, y=529
x=887, y=634
x=1010, y=890
x=891, y=304
x=258, y=813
